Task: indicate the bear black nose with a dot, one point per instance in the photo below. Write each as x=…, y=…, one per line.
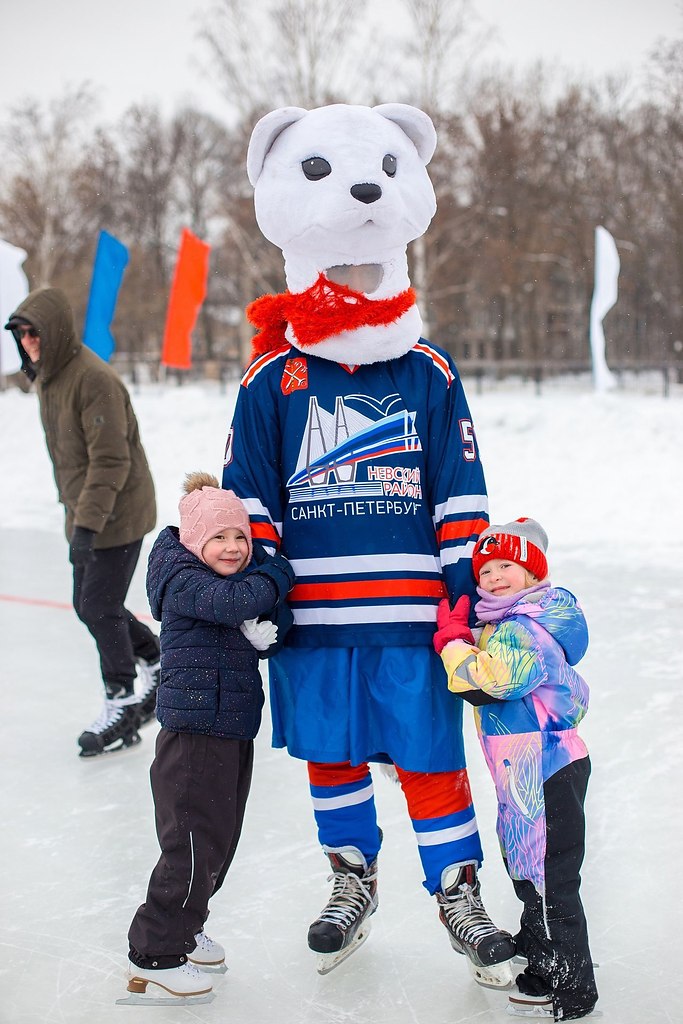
x=366, y=192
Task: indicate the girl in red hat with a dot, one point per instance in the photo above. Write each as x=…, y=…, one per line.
x=528, y=702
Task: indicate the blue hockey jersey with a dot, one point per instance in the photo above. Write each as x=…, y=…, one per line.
x=369, y=478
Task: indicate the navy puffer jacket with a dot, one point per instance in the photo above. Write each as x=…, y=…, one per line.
x=210, y=682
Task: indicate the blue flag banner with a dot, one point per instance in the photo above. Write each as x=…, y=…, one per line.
x=110, y=262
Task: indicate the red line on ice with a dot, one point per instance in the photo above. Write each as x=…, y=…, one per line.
x=42, y=602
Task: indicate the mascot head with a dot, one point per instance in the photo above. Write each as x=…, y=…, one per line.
x=342, y=190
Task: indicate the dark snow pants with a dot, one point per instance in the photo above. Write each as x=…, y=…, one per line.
x=200, y=786
x=557, y=946
x=100, y=588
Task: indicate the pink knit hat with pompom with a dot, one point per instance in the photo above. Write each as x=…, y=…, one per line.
x=206, y=510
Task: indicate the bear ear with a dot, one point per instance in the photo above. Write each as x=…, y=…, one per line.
x=415, y=123
x=264, y=135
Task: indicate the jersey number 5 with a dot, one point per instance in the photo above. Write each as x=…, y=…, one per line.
x=469, y=452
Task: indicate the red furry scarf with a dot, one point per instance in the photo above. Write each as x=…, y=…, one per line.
x=323, y=310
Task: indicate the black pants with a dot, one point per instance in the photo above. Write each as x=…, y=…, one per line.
x=557, y=946
x=200, y=786
x=100, y=588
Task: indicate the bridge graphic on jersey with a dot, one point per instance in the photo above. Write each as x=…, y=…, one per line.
x=335, y=443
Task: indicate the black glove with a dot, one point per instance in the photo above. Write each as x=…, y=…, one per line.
x=81, y=545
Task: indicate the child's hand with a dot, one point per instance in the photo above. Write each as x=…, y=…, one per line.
x=452, y=625
x=261, y=635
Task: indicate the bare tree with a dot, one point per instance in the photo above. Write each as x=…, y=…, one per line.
x=298, y=52
x=437, y=52
x=41, y=210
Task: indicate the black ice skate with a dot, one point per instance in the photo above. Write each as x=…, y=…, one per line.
x=115, y=728
x=489, y=951
x=343, y=925
x=149, y=673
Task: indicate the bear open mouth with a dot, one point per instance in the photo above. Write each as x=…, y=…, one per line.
x=362, y=277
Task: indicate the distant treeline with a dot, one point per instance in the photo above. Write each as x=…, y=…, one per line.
x=526, y=168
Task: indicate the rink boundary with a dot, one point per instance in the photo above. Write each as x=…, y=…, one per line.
x=43, y=602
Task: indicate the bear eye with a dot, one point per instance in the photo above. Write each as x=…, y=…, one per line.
x=389, y=165
x=315, y=168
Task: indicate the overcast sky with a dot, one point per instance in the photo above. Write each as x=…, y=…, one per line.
x=139, y=50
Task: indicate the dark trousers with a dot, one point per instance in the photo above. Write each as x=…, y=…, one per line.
x=556, y=945
x=200, y=786
x=100, y=588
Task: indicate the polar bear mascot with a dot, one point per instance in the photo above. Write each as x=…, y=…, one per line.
x=353, y=449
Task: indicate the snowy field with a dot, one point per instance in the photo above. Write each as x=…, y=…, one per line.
x=603, y=475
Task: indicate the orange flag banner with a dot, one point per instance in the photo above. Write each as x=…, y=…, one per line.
x=187, y=294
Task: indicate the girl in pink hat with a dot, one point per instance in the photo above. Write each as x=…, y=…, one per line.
x=208, y=583
x=528, y=702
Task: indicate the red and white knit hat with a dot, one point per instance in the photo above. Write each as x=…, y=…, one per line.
x=206, y=510
x=524, y=542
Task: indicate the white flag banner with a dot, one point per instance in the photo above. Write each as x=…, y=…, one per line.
x=605, y=291
x=13, y=290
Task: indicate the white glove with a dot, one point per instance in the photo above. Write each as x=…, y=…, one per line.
x=261, y=635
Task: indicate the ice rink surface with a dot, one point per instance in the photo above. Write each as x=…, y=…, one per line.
x=77, y=841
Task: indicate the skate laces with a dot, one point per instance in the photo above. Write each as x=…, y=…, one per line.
x=149, y=674
x=111, y=712
x=465, y=914
x=205, y=942
x=350, y=896
x=189, y=969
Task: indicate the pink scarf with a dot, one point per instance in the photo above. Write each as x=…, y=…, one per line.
x=493, y=609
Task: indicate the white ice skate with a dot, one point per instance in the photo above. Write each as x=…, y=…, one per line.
x=177, y=986
x=521, y=1005
x=208, y=955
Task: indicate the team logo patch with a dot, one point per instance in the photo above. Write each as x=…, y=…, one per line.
x=294, y=376
x=488, y=545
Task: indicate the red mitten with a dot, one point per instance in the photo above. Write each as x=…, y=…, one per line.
x=452, y=625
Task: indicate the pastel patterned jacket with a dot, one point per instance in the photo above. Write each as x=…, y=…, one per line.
x=528, y=733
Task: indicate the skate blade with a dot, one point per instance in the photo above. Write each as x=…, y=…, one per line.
x=113, y=749
x=533, y=1011
x=329, y=961
x=541, y=1013
x=137, y=999
x=496, y=976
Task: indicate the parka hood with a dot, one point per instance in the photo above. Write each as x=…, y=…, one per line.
x=167, y=557
x=559, y=613
x=48, y=310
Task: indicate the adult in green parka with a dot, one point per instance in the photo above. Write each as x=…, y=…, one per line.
x=105, y=485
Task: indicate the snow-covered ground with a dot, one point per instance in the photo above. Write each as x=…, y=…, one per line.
x=603, y=475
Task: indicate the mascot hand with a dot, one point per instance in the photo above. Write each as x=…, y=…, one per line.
x=452, y=624
x=261, y=635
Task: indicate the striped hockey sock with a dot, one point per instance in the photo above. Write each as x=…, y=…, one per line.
x=442, y=813
x=344, y=807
